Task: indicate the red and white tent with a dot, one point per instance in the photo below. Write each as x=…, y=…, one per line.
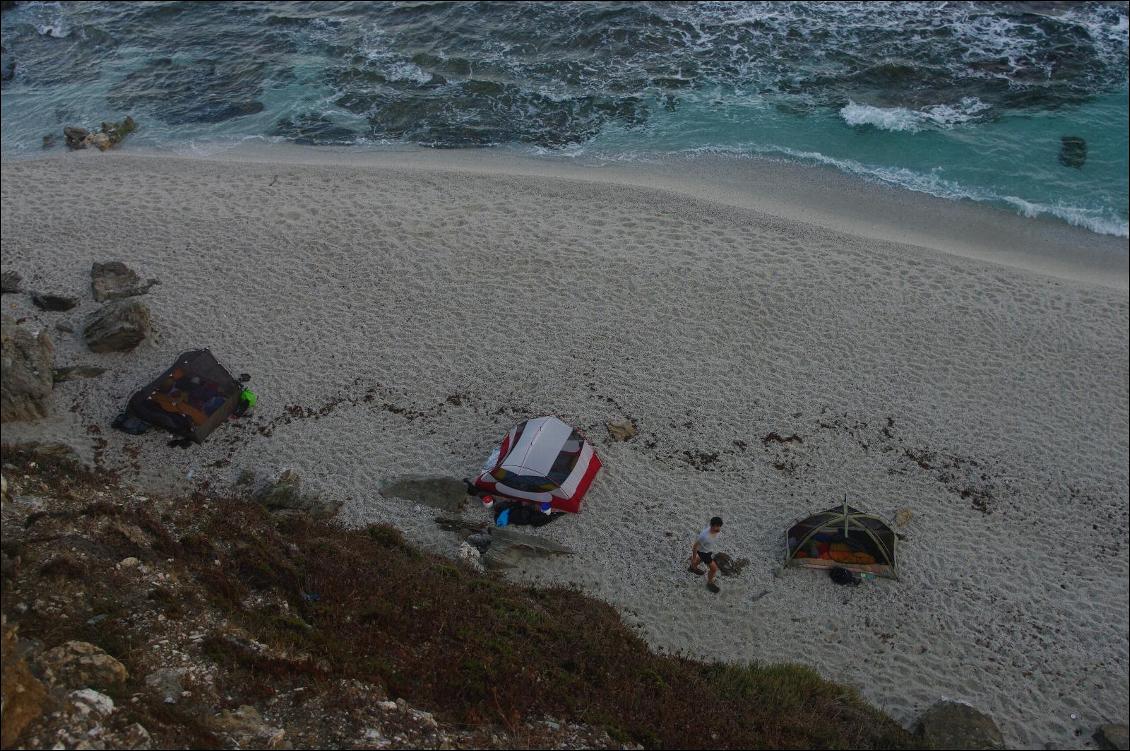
x=541, y=461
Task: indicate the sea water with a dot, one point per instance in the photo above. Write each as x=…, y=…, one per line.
x=959, y=100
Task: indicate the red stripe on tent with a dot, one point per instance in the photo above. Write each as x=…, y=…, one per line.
x=572, y=504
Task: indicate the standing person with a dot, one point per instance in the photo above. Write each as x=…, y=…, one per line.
x=703, y=550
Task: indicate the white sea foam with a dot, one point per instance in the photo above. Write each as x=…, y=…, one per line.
x=408, y=72
x=904, y=119
x=932, y=183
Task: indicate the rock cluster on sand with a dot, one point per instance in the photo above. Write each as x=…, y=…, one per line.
x=26, y=372
x=1113, y=737
x=53, y=303
x=24, y=694
x=109, y=136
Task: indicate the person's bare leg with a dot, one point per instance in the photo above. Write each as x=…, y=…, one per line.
x=710, y=579
x=693, y=568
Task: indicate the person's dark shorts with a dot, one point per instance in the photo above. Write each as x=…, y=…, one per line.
x=705, y=557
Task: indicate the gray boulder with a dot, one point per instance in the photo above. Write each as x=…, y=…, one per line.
x=117, y=327
x=76, y=137
x=55, y=303
x=10, y=282
x=25, y=372
x=509, y=549
x=1113, y=736
x=958, y=726
x=115, y=280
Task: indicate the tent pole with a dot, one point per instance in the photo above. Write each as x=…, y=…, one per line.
x=845, y=516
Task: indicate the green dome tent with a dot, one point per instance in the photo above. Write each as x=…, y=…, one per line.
x=843, y=536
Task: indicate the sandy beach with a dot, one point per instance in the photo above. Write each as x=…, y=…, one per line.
x=981, y=383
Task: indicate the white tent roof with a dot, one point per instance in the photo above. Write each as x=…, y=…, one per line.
x=538, y=447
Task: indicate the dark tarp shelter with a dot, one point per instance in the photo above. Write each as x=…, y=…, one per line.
x=843, y=536
x=192, y=398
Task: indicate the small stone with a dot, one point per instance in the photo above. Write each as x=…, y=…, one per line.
x=902, y=517
x=74, y=372
x=53, y=303
x=167, y=683
x=90, y=701
x=75, y=137
x=622, y=431
x=10, y=281
x=115, y=281
x=388, y=706
x=130, y=562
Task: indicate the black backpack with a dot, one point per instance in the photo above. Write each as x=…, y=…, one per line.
x=841, y=575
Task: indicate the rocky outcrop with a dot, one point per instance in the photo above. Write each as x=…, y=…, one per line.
x=80, y=664
x=24, y=696
x=108, y=137
x=25, y=372
x=286, y=494
x=117, y=327
x=958, y=726
x=53, y=303
x=1113, y=737
x=115, y=281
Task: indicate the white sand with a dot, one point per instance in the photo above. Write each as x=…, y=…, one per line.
x=711, y=326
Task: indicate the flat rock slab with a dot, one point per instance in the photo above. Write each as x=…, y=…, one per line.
x=54, y=303
x=958, y=726
x=115, y=280
x=509, y=548
x=437, y=492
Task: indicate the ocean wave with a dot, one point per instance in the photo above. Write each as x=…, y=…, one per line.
x=904, y=119
x=1098, y=221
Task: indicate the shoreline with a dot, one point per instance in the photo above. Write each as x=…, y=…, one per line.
x=812, y=194
x=988, y=399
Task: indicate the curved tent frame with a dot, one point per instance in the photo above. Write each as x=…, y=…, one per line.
x=844, y=521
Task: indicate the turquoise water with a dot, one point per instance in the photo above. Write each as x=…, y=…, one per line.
x=959, y=100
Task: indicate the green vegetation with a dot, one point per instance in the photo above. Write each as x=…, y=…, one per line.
x=472, y=648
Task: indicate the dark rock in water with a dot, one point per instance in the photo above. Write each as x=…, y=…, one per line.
x=54, y=303
x=10, y=282
x=7, y=5
x=7, y=66
x=117, y=327
x=1113, y=737
x=312, y=130
x=115, y=281
x=25, y=373
x=953, y=725
x=217, y=112
x=286, y=494
x=72, y=372
x=50, y=140
x=76, y=137
x=1072, y=151
x=438, y=492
